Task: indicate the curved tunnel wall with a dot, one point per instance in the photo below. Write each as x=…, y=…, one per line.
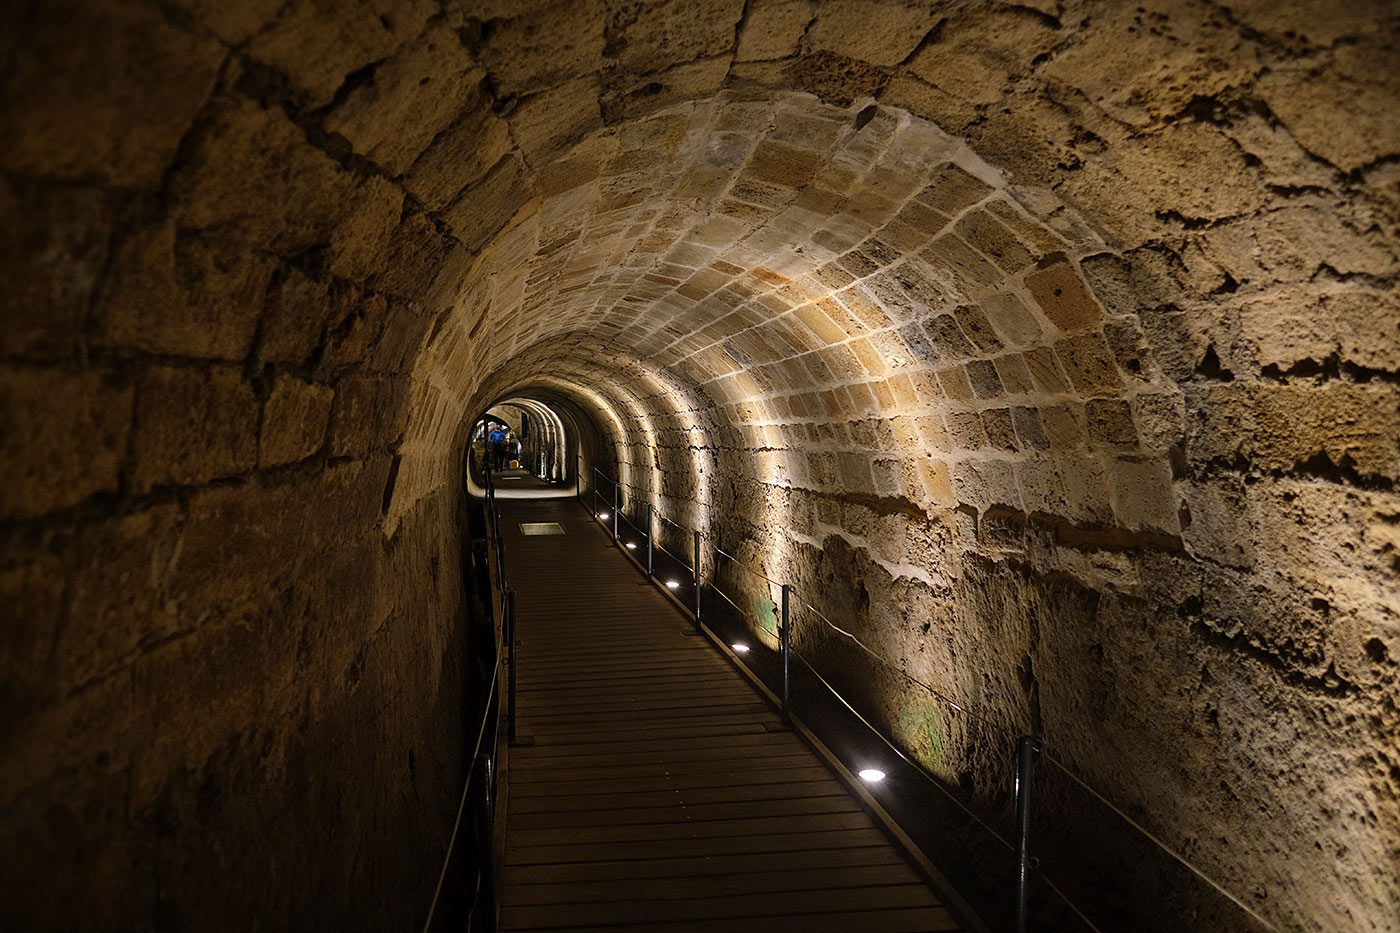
x=1075, y=377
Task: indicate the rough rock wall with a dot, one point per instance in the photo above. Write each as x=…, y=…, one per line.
x=231, y=700
x=1063, y=334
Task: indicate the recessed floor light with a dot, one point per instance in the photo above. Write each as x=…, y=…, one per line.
x=871, y=775
x=740, y=647
x=673, y=584
x=631, y=546
x=604, y=515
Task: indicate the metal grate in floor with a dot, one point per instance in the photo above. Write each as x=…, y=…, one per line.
x=541, y=528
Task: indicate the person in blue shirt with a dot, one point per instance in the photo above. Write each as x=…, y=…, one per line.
x=496, y=447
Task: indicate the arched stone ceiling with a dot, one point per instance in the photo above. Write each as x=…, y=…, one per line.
x=801, y=263
x=1004, y=302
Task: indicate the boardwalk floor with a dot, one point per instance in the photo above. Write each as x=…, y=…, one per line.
x=659, y=793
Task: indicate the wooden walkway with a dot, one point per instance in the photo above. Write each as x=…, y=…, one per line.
x=659, y=793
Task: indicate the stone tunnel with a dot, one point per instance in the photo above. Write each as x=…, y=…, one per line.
x=1051, y=347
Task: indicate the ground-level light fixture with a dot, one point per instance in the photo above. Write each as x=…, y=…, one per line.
x=673, y=584
x=604, y=515
x=740, y=647
x=871, y=775
x=631, y=545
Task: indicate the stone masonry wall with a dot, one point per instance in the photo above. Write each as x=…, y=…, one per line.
x=1055, y=345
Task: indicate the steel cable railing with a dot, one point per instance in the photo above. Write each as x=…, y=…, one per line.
x=491, y=706
x=495, y=707
x=1029, y=747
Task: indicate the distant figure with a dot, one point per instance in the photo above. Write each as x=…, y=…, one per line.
x=496, y=447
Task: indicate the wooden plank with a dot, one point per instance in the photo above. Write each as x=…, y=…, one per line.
x=727, y=759
x=685, y=829
x=808, y=879
x=679, y=848
x=732, y=906
x=670, y=797
x=726, y=778
x=634, y=872
x=675, y=743
x=657, y=794
x=911, y=920
x=681, y=813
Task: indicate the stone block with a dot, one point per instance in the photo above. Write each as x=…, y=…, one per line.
x=545, y=47
x=966, y=430
x=1328, y=429
x=978, y=53
x=951, y=190
x=1220, y=525
x=361, y=242
x=118, y=597
x=486, y=207
x=545, y=124
x=781, y=164
x=193, y=426
x=1160, y=419
x=954, y=384
x=947, y=338
x=73, y=107
x=986, y=483
x=1143, y=64
x=772, y=29
x=1011, y=319
x=1030, y=432
x=1064, y=425
x=369, y=414
x=1344, y=113
x=1143, y=496
x=253, y=171
x=950, y=255
x=1088, y=363
x=1001, y=432
x=183, y=292
x=978, y=329
x=1110, y=422
x=937, y=483
x=408, y=100
x=235, y=23
x=296, y=315
x=838, y=79
x=412, y=257
x=1063, y=297
x=71, y=429
x=32, y=583
x=52, y=249
x=319, y=44
x=1367, y=326
x=1014, y=374
x=676, y=32
x=989, y=236
x=459, y=156
x=985, y=381
x=294, y=421
x=871, y=31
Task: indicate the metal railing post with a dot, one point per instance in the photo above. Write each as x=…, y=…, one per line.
x=651, y=533
x=695, y=562
x=785, y=644
x=1027, y=748
x=510, y=665
x=617, y=507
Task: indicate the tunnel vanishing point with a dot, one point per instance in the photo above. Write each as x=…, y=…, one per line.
x=1050, y=348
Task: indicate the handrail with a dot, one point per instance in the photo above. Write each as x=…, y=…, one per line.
x=1134, y=824
x=466, y=786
